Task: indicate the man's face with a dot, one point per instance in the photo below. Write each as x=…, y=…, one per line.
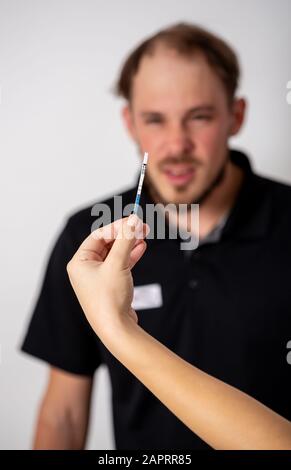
x=179, y=114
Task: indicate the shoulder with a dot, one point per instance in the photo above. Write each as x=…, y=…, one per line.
x=280, y=192
x=277, y=201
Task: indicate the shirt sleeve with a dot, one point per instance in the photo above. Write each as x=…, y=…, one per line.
x=58, y=332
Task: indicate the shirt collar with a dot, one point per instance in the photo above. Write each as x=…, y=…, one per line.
x=251, y=214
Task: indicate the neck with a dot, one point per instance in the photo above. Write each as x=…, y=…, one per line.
x=220, y=200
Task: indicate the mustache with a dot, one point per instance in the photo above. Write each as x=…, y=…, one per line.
x=175, y=160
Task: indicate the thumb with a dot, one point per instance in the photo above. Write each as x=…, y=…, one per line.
x=122, y=247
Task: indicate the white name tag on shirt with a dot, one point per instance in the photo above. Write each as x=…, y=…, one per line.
x=149, y=296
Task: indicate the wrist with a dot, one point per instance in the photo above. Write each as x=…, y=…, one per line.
x=114, y=326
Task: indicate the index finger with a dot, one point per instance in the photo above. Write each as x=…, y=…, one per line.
x=95, y=247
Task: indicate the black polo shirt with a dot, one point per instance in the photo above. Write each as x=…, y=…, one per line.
x=226, y=308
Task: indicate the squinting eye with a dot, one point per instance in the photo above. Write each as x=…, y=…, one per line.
x=153, y=121
x=202, y=117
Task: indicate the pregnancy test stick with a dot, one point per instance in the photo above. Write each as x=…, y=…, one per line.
x=141, y=178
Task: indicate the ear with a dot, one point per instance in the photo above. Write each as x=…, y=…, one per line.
x=238, y=115
x=127, y=117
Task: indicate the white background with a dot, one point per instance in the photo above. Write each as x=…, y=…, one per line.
x=63, y=146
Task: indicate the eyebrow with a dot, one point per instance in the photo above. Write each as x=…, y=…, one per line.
x=195, y=109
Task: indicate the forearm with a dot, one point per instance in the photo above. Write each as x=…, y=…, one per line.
x=58, y=438
x=220, y=414
x=59, y=433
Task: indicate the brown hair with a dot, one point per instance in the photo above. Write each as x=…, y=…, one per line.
x=186, y=39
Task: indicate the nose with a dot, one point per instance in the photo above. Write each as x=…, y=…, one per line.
x=178, y=140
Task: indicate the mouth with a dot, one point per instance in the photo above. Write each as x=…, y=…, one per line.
x=179, y=175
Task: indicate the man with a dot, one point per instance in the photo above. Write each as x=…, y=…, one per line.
x=225, y=306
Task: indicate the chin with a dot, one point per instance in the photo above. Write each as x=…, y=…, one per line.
x=176, y=199
x=166, y=194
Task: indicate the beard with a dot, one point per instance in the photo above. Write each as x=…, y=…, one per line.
x=216, y=181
